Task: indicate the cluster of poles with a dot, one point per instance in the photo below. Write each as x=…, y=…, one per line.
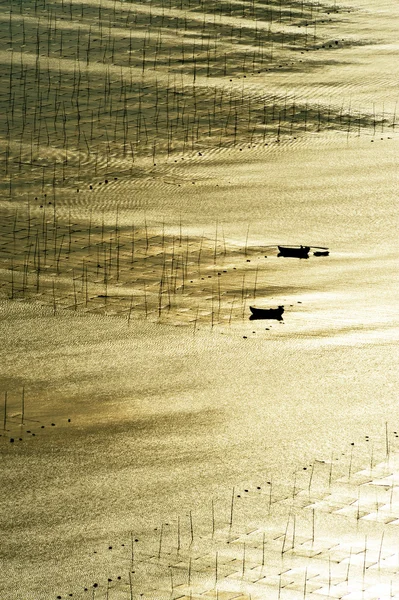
x=114, y=83
x=293, y=555
x=125, y=269
x=284, y=548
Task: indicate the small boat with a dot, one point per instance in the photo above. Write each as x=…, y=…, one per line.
x=266, y=313
x=321, y=253
x=294, y=251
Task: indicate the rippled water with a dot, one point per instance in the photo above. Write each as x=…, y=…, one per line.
x=163, y=420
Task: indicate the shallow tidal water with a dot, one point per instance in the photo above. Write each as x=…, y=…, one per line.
x=165, y=420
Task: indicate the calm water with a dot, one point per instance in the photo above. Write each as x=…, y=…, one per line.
x=162, y=420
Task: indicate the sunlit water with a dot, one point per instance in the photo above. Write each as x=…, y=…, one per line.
x=162, y=419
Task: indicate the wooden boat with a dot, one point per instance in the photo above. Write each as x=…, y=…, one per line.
x=294, y=251
x=266, y=313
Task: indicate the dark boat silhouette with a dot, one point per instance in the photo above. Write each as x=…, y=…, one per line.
x=266, y=313
x=294, y=251
x=321, y=253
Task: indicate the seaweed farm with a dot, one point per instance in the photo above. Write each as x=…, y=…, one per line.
x=136, y=272
x=93, y=89
x=327, y=532
x=198, y=300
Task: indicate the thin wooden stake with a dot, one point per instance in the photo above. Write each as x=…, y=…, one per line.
x=5, y=411
x=23, y=405
x=213, y=518
x=160, y=542
x=191, y=527
x=232, y=508
x=386, y=438
x=263, y=548
x=130, y=585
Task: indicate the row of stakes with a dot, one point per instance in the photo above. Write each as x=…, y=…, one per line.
x=179, y=118
x=288, y=541
x=67, y=265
